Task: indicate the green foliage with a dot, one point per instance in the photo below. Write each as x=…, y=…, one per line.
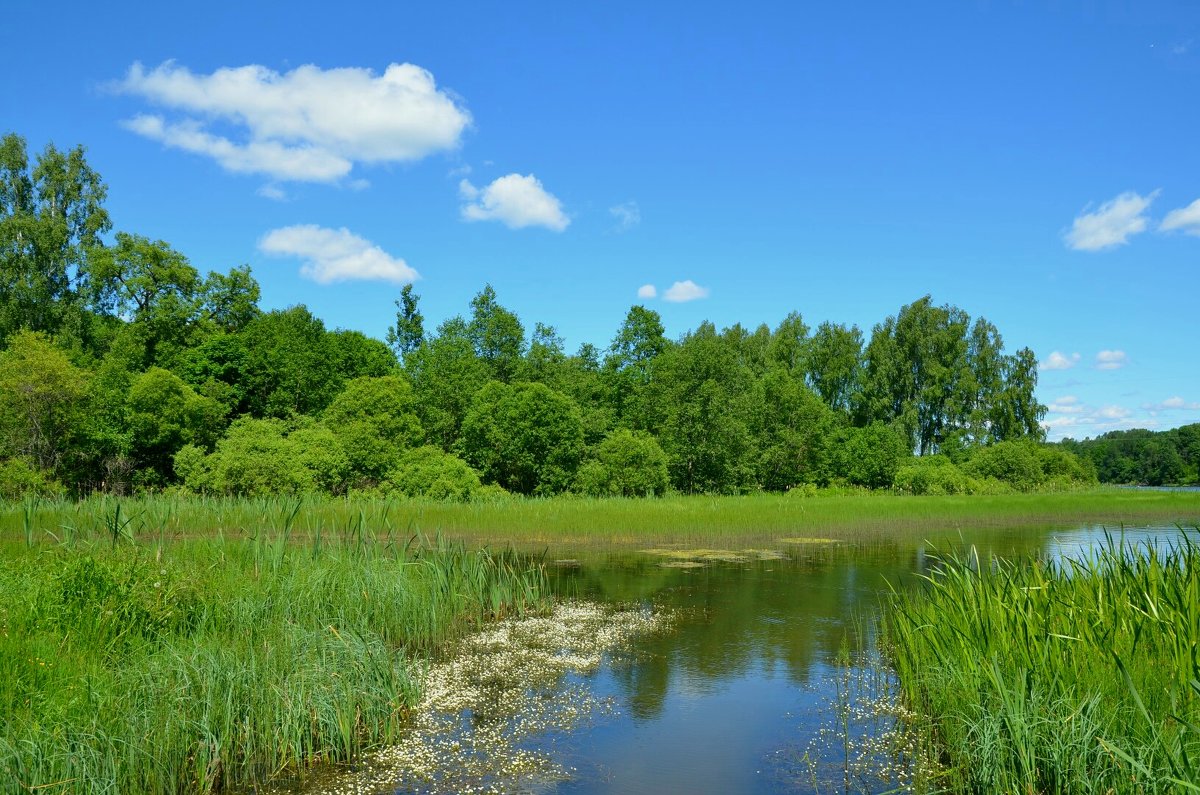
x=1014, y=463
x=1078, y=677
x=497, y=334
x=446, y=373
x=432, y=473
x=409, y=332
x=269, y=456
x=626, y=464
x=930, y=474
x=214, y=666
x=525, y=437
x=1144, y=457
x=164, y=414
x=705, y=432
x=19, y=479
x=41, y=394
x=290, y=365
x=51, y=217
x=375, y=421
x=794, y=431
x=870, y=456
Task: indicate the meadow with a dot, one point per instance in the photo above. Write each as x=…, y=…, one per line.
x=572, y=522
x=199, y=665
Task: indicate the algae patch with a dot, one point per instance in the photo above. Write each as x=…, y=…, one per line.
x=487, y=712
x=695, y=558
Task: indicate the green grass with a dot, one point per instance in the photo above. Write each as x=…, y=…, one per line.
x=570, y=521
x=204, y=664
x=1036, y=678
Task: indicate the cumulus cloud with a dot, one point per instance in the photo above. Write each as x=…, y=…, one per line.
x=1184, y=219
x=1174, y=404
x=273, y=192
x=335, y=255
x=309, y=124
x=1111, y=360
x=1112, y=224
x=647, y=291
x=1059, y=361
x=1068, y=404
x=1079, y=420
x=688, y=290
x=627, y=214
x=514, y=200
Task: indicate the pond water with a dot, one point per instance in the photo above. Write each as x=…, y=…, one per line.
x=745, y=690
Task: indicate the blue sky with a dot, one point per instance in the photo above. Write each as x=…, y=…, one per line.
x=1034, y=163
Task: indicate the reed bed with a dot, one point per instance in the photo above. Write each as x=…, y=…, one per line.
x=198, y=665
x=1056, y=677
x=575, y=521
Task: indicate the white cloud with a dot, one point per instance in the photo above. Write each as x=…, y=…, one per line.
x=1068, y=404
x=1184, y=219
x=309, y=124
x=685, y=291
x=1059, y=361
x=335, y=255
x=647, y=291
x=1079, y=420
x=273, y=192
x=1112, y=412
x=627, y=214
x=1112, y=224
x=516, y=201
x=1175, y=403
x=1111, y=360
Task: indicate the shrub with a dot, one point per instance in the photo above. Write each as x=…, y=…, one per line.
x=1015, y=463
x=431, y=472
x=931, y=474
x=264, y=457
x=626, y=464
x=19, y=479
x=375, y=420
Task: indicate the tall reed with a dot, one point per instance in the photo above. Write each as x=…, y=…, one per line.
x=198, y=665
x=1080, y=676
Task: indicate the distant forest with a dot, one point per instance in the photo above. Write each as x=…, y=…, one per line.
x=1144, y=457
x=123, y=369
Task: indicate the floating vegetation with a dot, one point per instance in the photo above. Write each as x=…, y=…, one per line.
x=694, y=558
x=809, y=541
x=864, y=742
x=484, y=709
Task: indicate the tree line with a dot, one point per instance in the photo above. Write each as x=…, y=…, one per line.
x=1143, y=457
x=123, y=368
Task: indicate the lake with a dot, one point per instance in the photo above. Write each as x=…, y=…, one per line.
x=755, y=681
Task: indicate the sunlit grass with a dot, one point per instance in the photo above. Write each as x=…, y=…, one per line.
x=203, y=664
x=1082, y=677
x=570, y=521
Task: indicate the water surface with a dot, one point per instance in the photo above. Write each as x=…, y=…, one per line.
x=750, y=690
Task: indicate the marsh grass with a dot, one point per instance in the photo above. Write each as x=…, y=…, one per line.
x=154, y=665
x=1044, y=677
x=572, y=521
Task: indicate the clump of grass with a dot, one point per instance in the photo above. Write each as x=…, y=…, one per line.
x=1073, y=677
x=202, y=665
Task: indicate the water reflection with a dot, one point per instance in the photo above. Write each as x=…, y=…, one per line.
x=744, y=686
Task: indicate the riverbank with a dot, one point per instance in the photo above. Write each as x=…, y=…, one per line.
x=206, y=664
x=1077, y=677
x=569, y=522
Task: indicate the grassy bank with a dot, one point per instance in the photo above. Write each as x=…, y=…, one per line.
x=1083, y=678
x=566, y=521
x=196, y=665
